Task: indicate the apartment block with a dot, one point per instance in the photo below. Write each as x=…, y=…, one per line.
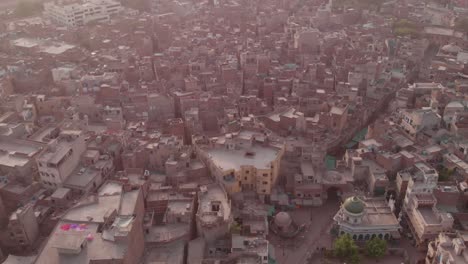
x=74, y=13
x=242, y=161
x=60, y=158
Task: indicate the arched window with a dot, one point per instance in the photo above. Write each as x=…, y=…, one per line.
x=380, y=236
x=354, y=237
x=367, y=237
x=386, y=236
x=360, y=237
x=373, y=235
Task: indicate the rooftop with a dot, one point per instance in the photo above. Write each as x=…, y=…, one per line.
x=213, y=204
x=18, y=152
x=261, y=157
x=169, y=254
x=96, y=247
x=94, y=209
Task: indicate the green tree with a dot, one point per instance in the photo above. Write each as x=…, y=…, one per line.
x=346, y=248
x=445, y=174
x=376, y=247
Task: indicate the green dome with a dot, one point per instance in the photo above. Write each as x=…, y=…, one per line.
x=354, y=205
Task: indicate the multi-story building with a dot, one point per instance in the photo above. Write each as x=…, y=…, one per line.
x=367, y=218
x=425, y=221
x=423, y=179
x=103, y=228
x=242, y=161
x=23, y=227
x=73, y=13
x=161, y=107
x=17, y=158
x=214, y=215
x=60, y=158
x=414, y=121
x=448, y=248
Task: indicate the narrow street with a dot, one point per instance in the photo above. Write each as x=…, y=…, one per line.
x=295, y=251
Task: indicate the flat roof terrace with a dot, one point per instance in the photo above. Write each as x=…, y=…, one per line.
x=256, y=156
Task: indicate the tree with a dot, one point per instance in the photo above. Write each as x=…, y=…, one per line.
x=445, y=174
x=376, y=247
x=346, y=248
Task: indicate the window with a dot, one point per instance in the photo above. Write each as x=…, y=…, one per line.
x=265, y=174
x=265, y=183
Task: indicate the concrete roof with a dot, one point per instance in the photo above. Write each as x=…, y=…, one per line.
x=129, y=200
x=209, y=194
x=167, y=233
x=96, y=249
x=196, y=250
x=81, y=177
x=17, y=152
x=234, y=159
x=19, y=259
x=168, y=254
x=60, y=193
x=94, y=211
x=110, y=188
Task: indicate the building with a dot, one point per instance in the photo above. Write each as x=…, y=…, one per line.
x=307, y=40
x=214, y=216
x=102, y=228
x=17, y=158
x=60, y=158
x=414, y=121
x=249, y=249
x=161, y=107
x=73, y=13
x=448, y=248
x=242, y=161
x=424, y=220
x=23, y=228
x=366, y=218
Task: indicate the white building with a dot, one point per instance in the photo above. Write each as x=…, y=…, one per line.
x=60, y=158
x=424, y=219
x=448, y=248
x=74, y=13
x=214, y=216
x=364, y=219
x=414, y=121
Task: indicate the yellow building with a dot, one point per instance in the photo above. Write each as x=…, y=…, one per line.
x=242, y=161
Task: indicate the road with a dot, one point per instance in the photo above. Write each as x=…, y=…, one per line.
x=295, y=251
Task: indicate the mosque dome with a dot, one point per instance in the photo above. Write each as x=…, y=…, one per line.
x=354, y=205
x=283, y=220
